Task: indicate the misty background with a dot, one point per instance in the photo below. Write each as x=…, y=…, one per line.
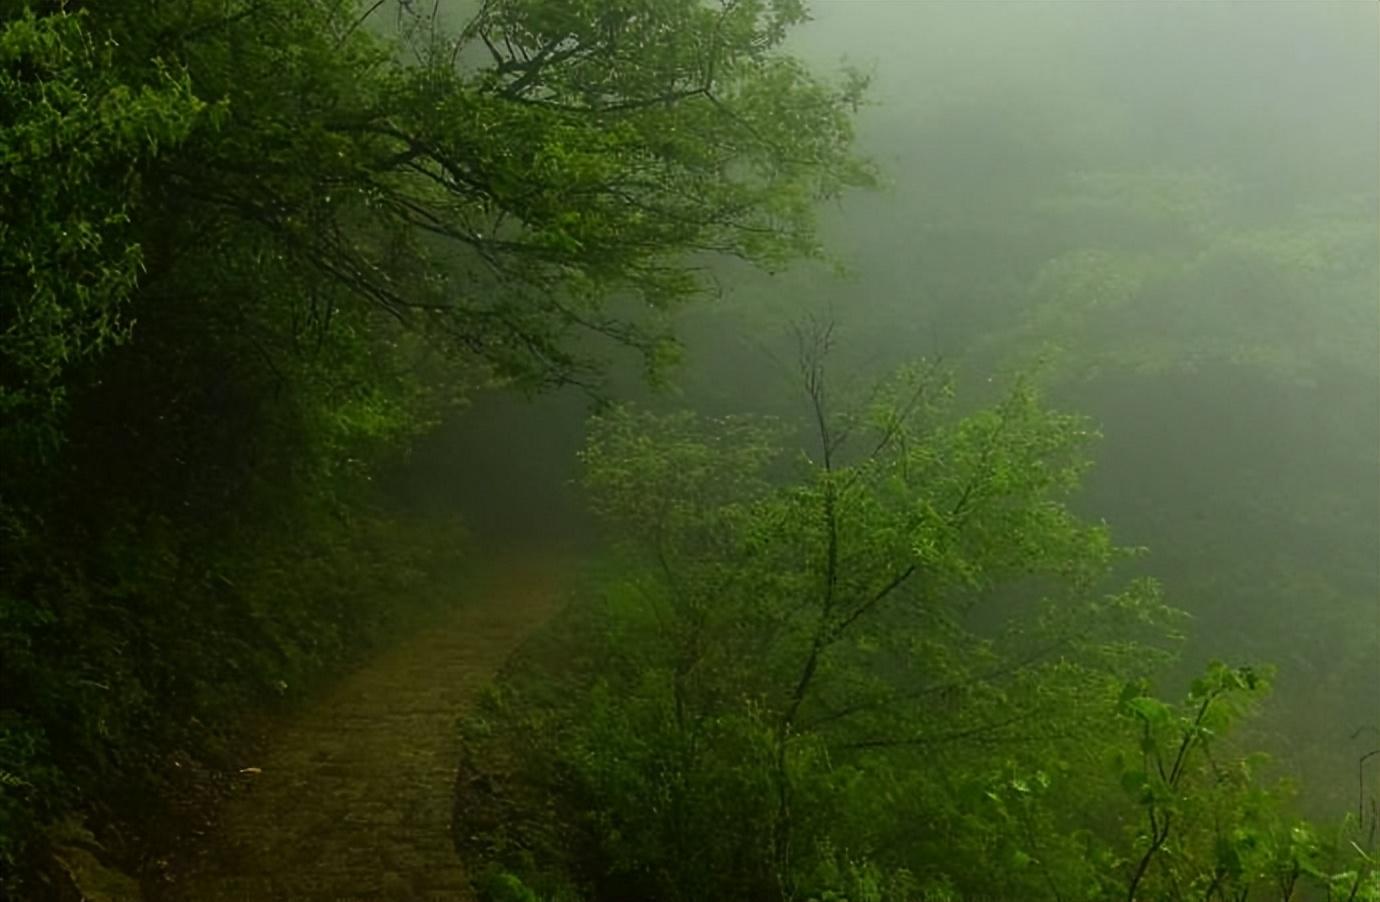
x=1170, y=212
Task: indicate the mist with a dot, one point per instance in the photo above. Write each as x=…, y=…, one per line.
x=1169, y=212
x=690, y=450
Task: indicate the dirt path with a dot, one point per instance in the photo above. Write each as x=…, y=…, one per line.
x=353, y=803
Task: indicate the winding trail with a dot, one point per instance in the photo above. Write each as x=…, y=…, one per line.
x=354, y=799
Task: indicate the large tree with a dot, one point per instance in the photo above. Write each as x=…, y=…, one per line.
x=251, y=247
x=498, y=185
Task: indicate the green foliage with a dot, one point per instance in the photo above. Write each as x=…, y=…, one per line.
x=886, y=666
x=498, y=190
x=73, y=136
x=804, y=670
x=1178, y=278
x=1210, y=827
x=250, y=251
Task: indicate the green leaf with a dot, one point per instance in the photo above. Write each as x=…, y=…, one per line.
x=1151, y=710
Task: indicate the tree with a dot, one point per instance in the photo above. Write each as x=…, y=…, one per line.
x=251, y=249
x=794, y=642
x=890, y=666
x=73, y=136
x=500, y=204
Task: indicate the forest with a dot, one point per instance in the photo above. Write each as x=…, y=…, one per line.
x=942, y=438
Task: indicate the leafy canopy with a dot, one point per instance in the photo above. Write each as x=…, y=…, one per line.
x=251, y=249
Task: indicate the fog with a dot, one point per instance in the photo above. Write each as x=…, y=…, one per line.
x=1174, y=208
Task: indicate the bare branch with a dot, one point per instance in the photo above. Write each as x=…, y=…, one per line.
x=345, y=36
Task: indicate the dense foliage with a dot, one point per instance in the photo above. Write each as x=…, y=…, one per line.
x=250, y=249
x=891, y=666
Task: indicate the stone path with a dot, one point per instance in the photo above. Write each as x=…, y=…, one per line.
x=353, y=802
